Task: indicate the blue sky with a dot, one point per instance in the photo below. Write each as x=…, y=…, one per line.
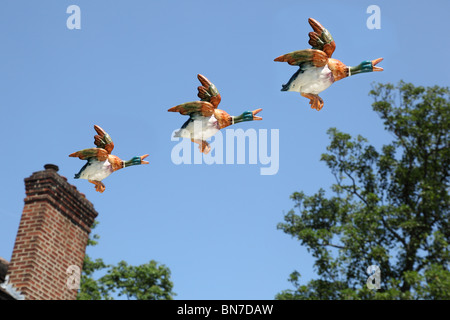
x=214, y=225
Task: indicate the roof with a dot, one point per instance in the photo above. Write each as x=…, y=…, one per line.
x=3, y=269
x=4, y=294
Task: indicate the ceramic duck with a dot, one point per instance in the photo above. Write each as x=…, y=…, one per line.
x=317, y=70
x=205, y=120
x=100, y=162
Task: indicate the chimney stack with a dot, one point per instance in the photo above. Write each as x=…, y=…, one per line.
x=52, y=237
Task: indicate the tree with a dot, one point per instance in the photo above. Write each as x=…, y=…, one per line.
x=388, y=208
x=145, y=282
x=148, y=281
x=91, y=289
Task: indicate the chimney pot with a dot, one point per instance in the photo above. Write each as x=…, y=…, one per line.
x=50, y=166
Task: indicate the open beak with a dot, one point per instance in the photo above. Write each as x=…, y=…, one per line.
x=376, y=61
x=255, y=112
x=142, y=159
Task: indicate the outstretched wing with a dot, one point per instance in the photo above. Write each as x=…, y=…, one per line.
x=321, y=38
x=317, y=57
x=203, y=107
x=99, y=153
x=103, y=140
x=208, y=91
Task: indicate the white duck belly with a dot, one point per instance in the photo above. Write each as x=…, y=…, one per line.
x=200, y=128
x=312, y=80
x=96, y=170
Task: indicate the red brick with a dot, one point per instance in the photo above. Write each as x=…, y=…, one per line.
x=53, y=233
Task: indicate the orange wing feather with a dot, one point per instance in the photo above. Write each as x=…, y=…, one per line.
x=321, y=38
x=295, y=58
x=204, y=107
x=208, y=91
x=99, y=153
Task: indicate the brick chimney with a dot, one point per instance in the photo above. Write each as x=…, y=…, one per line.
x=53, y=234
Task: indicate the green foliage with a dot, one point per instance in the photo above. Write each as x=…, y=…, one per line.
x=91, y=289
x=145, y=282
x=390, y=208
x=148, y=281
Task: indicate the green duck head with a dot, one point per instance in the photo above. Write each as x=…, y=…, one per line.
x=247, y=116
x=365, y=66
x=136, y=161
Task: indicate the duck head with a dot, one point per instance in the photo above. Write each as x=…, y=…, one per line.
x=135, y=161
x=118, y=164
x=365, y=66
x=341, y=71
x=226, y=120
x=247, y=116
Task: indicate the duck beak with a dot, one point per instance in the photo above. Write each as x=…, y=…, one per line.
x=142, y=159
x=255, y=112
x=376, y=61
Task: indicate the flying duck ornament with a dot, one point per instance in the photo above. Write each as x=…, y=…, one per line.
x=100, y=162
x=205, y=120
x=317, y=70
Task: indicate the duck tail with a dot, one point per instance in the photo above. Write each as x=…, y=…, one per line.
x=78, y=175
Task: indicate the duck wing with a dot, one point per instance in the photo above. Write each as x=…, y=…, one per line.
x=205, y=108
x=208, y=91
x=321, y=38
x=99, y=153
x=103, y=140
x=317, y=57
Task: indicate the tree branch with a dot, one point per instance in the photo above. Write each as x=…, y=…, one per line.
x=395, y=234
x=355, y=192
